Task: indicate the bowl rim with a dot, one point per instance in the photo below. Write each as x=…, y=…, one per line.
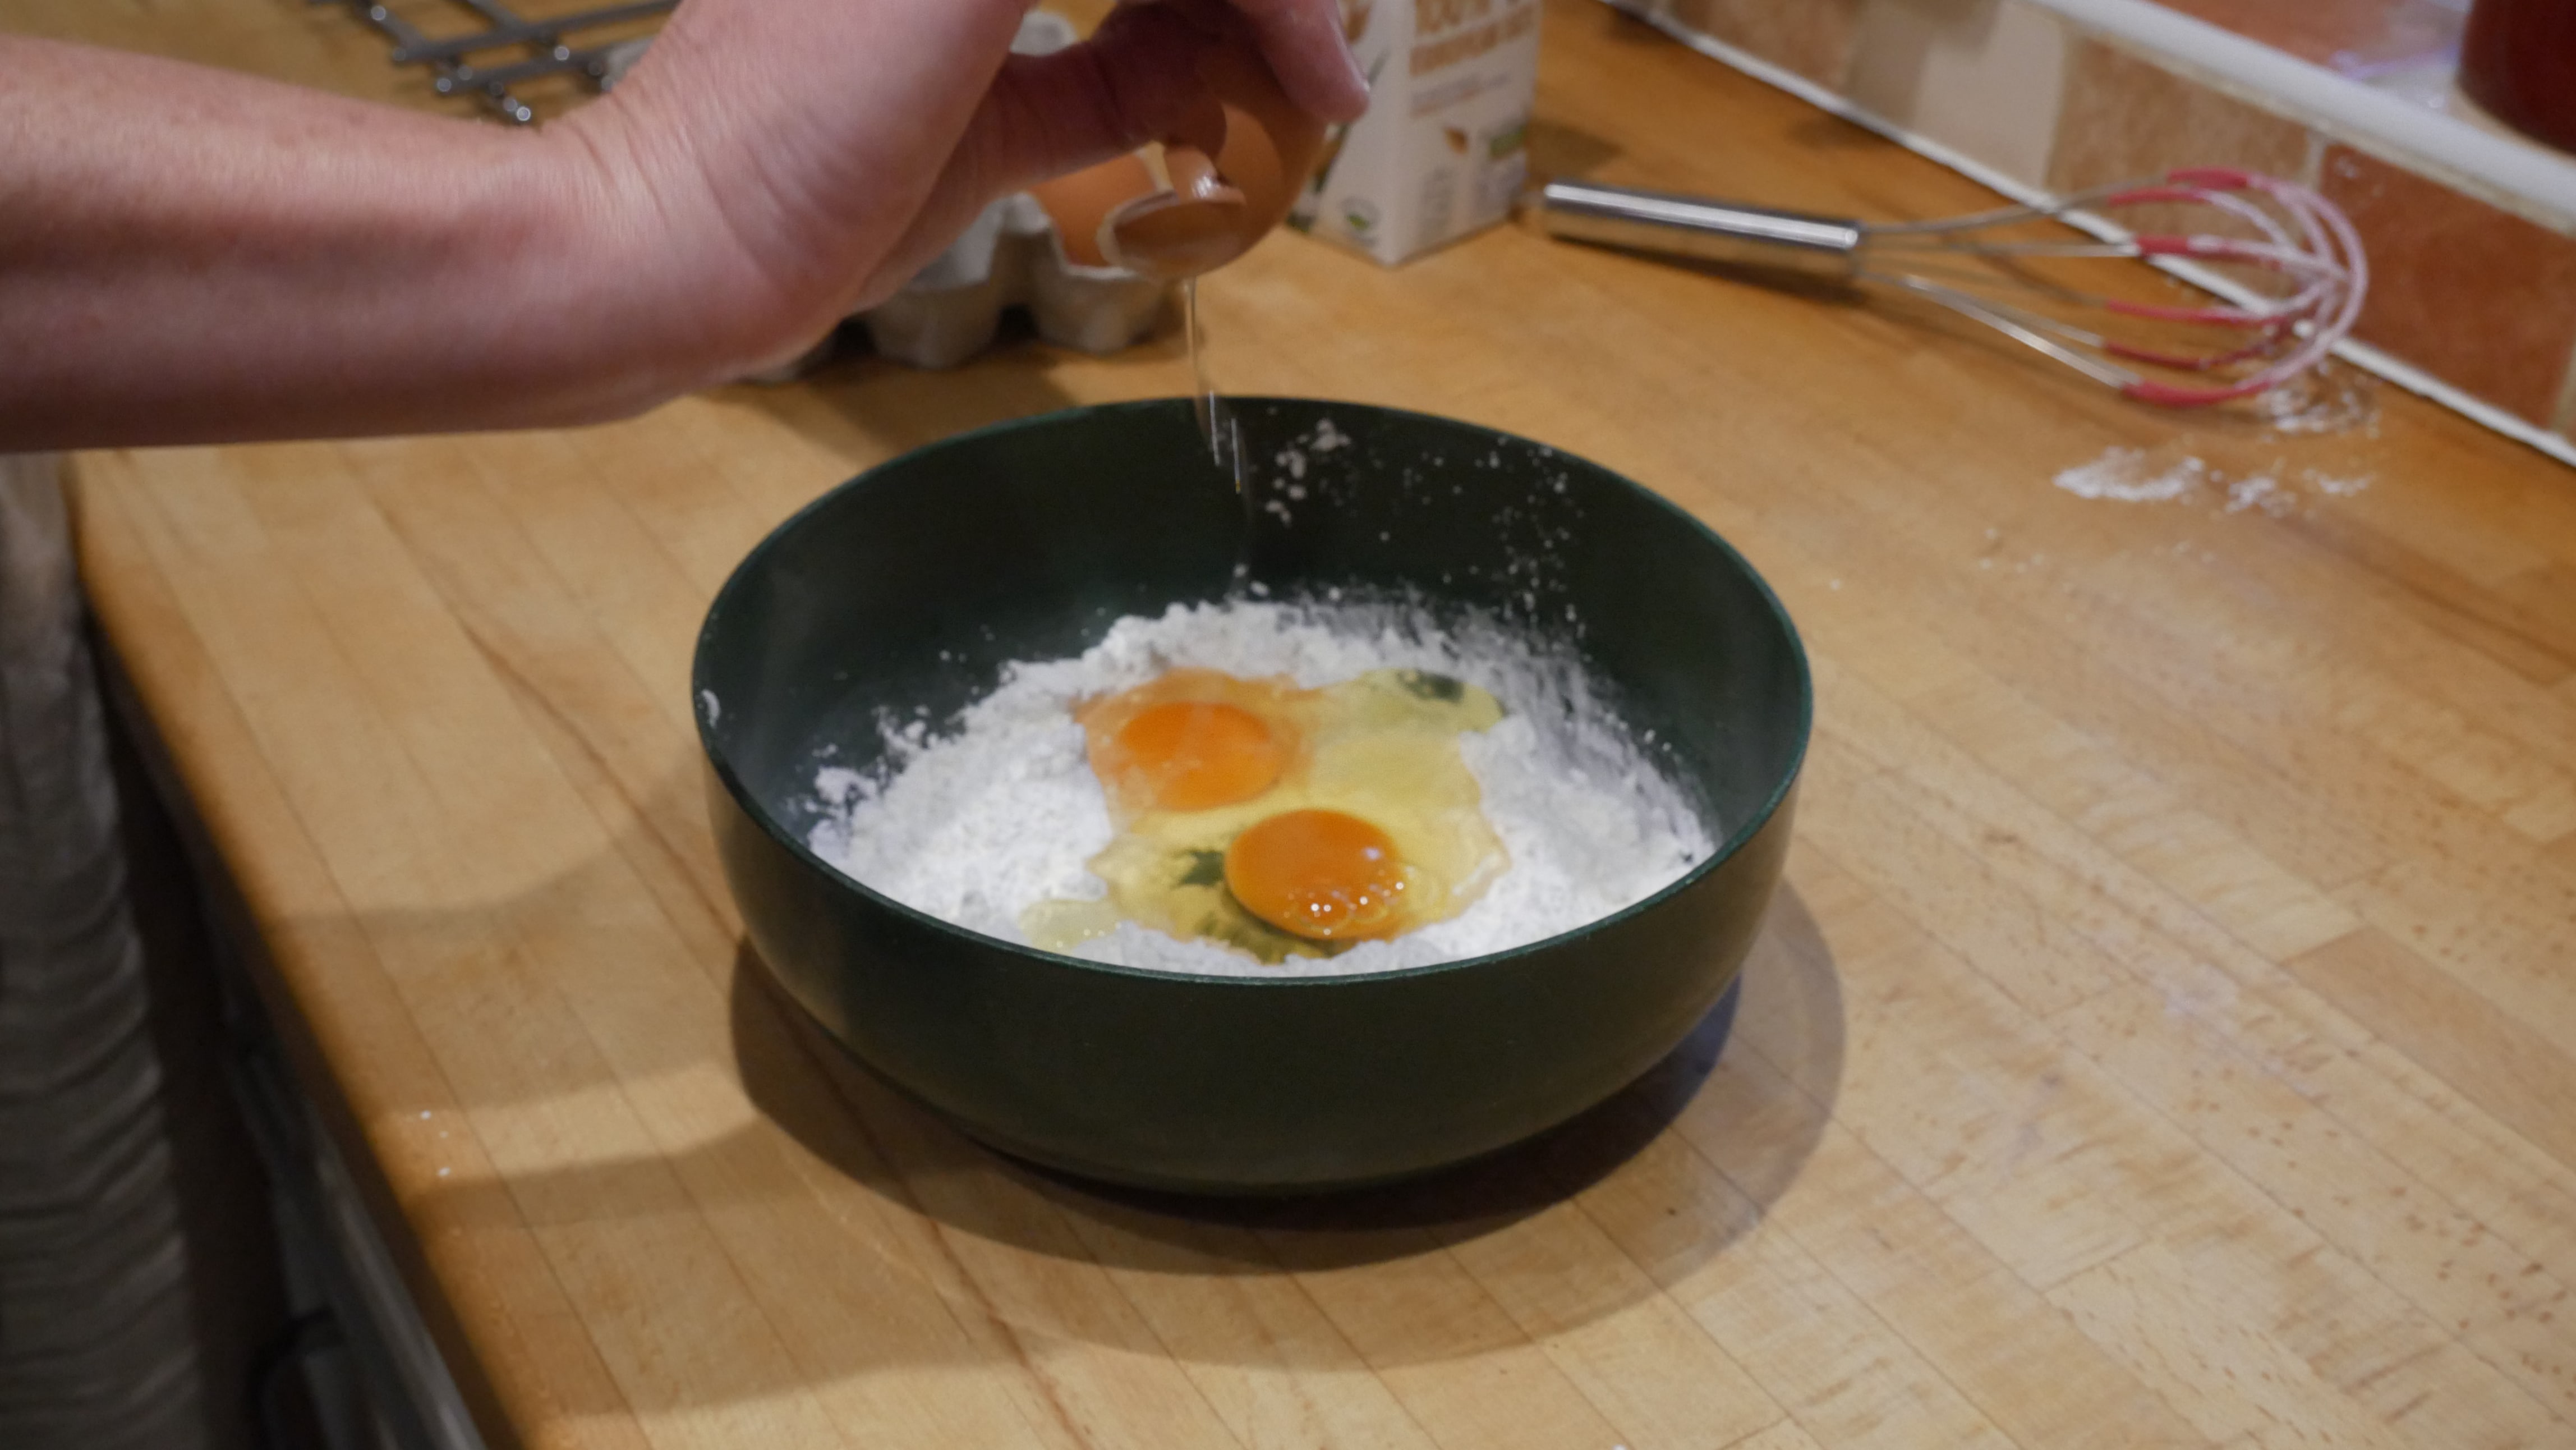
x=751, y=806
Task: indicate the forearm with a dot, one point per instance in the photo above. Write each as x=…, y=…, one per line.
x=189, y=255
x=192, y=255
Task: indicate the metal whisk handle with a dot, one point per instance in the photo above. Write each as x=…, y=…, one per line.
x=1711, y=231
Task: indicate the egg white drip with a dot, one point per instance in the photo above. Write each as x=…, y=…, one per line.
x=975, y=825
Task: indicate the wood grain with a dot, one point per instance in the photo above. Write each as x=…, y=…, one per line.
x=2163, y=1038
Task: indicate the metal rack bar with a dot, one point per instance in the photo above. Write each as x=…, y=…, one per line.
x=452, y=75
x=527, y=31
x=403, y=33
x=592, y=62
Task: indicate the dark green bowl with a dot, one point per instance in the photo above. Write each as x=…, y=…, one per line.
x=902, y=593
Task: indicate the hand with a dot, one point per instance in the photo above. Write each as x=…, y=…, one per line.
x=778, y=164
x=204, y=256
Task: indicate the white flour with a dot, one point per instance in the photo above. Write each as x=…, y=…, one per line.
x=2129, y=475
x=975, y=826
x=2124, y=475
x=2260, y=491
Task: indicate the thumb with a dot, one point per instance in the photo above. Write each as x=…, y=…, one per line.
x=1134, y=81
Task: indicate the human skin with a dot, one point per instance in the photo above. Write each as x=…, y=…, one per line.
x=190, y=255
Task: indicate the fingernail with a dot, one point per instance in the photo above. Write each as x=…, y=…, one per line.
x=1359, y=78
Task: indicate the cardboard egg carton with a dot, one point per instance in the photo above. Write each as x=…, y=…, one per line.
x=1010, y=257
x=1443, y=151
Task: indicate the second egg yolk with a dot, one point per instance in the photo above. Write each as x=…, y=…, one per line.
x=1322, y=875
x=1194, y=756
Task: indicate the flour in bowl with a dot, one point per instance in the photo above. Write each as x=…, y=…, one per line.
x=978, y=825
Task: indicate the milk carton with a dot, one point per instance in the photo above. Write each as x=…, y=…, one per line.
x=1442, y=151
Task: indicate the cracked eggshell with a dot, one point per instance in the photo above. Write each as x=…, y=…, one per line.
x=1080, y=203
x=1204, y=211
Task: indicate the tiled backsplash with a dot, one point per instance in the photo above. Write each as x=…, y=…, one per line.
x=2472, y=294
x=2479, y=291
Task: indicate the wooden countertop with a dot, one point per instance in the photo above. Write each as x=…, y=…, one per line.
x=2164, y=1035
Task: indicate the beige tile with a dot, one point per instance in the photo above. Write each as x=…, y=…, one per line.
x=2125, y=117
x=1984, y=76
x=1811, y=37
x=2478, y=297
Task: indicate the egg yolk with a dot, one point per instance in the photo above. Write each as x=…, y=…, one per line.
x=1322, y=875
x=1195, y=755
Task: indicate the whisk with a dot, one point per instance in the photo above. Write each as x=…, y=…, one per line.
x=2309, y=245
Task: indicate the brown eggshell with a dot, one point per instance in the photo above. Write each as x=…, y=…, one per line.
x=1183, y=232
x=1080, y=203
x=1217, y=213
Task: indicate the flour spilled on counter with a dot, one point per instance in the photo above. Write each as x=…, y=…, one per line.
x=976, y=825
x=2333, y=398
x=2125, y=476
x=2260, y=491
x=2132, y=475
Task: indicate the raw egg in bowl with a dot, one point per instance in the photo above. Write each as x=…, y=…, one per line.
x=1299, y=823
x=1278, y=820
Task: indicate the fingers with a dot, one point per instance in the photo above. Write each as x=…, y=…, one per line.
x=1302, y=40
x=1135, y=81
x=1138, y=79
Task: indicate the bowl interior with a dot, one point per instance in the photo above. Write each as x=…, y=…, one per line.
x=902, y=595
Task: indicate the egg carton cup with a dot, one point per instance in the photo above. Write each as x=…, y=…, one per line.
x=1008, y=258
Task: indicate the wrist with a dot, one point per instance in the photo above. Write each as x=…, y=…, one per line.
x=646, y=266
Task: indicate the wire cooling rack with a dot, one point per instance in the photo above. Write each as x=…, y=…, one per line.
x=510, y=50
